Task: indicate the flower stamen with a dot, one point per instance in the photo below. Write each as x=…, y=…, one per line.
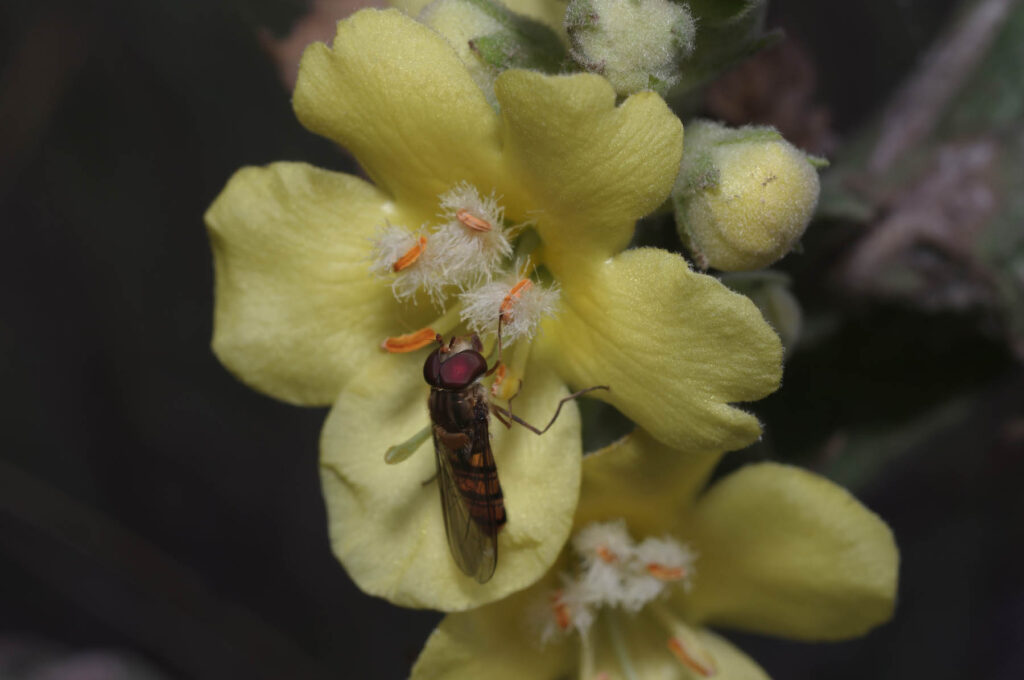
x=513, y=297
x=410, y=342
x=561, y=610
x=588, y=659
x=618, y=640
x=471, y=221
x=410, y=255
x=472, y=238
x=606, y=555
x=664, y=573
x=678, y=648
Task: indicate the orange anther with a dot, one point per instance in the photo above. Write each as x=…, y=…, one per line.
x=561, y=610
x=513, y=297
x=409, y=342
x=472, y=221
x=607, y=555
x=663, y=573
x=677, y=647
x=411, y=255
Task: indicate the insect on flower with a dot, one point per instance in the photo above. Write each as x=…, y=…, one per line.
x=471, y=499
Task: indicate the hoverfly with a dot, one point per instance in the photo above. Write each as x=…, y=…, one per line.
x=471, y=499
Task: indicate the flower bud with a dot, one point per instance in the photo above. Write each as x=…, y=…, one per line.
x=635, y=44
x=743, y=196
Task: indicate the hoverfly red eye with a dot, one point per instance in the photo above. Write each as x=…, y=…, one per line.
x=462, y=369
x=432, y=369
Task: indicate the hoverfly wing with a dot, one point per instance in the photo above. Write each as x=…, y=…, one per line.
x=472, y=504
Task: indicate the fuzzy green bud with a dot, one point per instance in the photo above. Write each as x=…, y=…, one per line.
x=635, y=44
x=743, y=197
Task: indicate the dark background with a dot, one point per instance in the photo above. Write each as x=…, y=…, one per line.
x=153, y=507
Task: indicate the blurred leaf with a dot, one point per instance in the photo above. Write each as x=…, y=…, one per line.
x=856, y=458
x=936, y=182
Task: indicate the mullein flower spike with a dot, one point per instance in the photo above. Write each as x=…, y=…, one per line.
x=473, y=213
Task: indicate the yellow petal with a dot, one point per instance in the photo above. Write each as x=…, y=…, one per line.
x=674, y=346
x=643, y=480
x=642, y=642
x=501, y=642
x=296, y=305
x=495, y=642
x=730, y=662
x=386, y=524
x=591, y=169
x=394, y=93
x=786, y=552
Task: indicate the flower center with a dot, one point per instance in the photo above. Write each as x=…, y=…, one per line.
x=615, y=591
x=466, y=263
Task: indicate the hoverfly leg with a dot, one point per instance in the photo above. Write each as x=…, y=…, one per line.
x=430, y=479
x=399, y=452
x=497, y=411
x=511, y=416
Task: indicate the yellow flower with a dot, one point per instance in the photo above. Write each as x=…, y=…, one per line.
x=301, y=316
x=770, y=549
